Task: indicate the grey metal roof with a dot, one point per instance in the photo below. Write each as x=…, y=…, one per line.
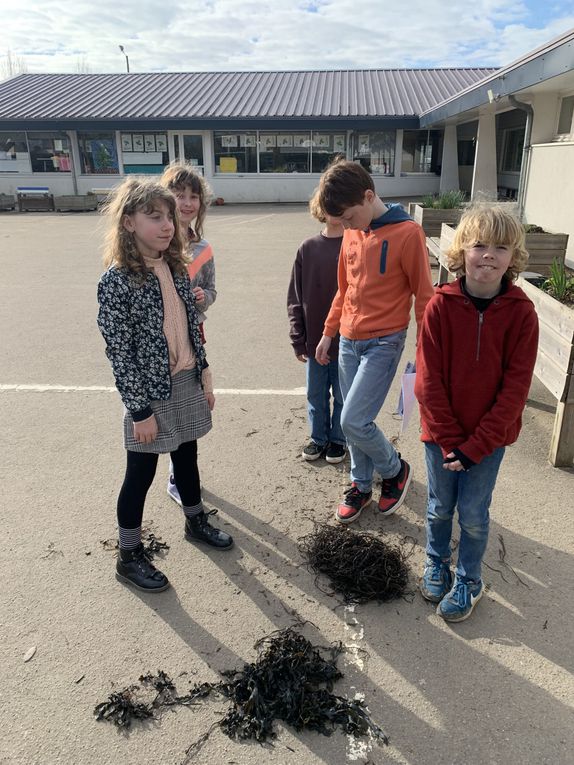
x=238, y=95
x=543, y=63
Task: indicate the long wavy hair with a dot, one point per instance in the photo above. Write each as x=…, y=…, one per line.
x=179, y=175
x=120, y=250
x=489, y=224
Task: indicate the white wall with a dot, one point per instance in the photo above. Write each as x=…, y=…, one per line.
x=262, y=188
x=549, y=198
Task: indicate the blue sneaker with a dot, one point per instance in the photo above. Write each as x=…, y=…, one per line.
x=436, y=581
x=460, y=601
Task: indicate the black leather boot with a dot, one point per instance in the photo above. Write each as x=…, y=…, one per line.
x=135, y=568
x=198, y=529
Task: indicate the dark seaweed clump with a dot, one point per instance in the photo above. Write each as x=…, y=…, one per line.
x=291, y=681
x=360, y=567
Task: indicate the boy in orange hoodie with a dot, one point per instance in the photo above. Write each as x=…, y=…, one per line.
x=382, y=265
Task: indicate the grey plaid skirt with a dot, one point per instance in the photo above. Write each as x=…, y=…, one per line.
x=185, y=416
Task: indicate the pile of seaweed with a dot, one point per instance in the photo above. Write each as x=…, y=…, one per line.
x=290, y=681
x=359, y=566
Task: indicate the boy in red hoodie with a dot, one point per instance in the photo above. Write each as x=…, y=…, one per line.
x=382, y=265
x=475, y=359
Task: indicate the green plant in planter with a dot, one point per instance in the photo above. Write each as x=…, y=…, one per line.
x=560, y=284
x=530, y=228
x=448, y=200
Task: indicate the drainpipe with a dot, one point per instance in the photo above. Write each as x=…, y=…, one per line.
x=525, y=151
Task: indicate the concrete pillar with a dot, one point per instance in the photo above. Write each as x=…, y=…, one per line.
x=484, y=185
x=398, y=153
x=449, y=164
x=544, y=126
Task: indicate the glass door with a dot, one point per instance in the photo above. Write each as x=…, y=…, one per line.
x=189, y=148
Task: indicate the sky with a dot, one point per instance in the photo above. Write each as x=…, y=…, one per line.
x=223, y=35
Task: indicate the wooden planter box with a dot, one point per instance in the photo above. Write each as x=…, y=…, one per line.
x=7, y=202
x=554, y=368
x=542, y=248
x=431, y=220
x=76, y=202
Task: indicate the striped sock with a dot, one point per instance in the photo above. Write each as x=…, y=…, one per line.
x=130, y=538
x=191, y=512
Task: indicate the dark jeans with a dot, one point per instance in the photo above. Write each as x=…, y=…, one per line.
x=140, y=472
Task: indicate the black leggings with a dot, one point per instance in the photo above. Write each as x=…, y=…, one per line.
x=140, y=472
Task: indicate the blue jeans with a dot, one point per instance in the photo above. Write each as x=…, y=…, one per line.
x=325, y=428
x=366, y=371
x=471, y=493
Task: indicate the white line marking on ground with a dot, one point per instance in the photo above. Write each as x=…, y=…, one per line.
x=354, y=635
x=254, y=220
x=111, y=389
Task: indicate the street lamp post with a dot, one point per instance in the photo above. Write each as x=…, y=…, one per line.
x=121, y=47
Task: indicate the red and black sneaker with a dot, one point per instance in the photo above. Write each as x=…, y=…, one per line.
x=352, y=506
x=395, y=489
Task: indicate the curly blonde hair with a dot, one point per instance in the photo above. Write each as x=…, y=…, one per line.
x=489, y=224
x=179, y=175
x=120, y=250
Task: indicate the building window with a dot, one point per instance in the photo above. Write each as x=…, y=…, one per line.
x=512, y=148
x=375, y=151
x=144, y=153
x=466, y=151
x=14, y=157
x=49, y=152
x=325, y=147
x=421, y=151
x=565, y=120
x=284, y=152
x=98, y=153
x=235, y=152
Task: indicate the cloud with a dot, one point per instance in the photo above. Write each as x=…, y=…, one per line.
x=189, y=35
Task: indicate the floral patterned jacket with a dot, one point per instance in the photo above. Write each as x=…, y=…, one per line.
x=130, y=318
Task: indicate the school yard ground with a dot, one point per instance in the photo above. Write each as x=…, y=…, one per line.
x=495, y=690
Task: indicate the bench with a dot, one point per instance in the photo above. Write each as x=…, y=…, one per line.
x=34, y=198
x=434, y=248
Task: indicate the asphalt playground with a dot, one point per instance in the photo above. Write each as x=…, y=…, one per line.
x=495, y=690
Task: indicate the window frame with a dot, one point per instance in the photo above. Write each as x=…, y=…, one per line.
x=569, y=136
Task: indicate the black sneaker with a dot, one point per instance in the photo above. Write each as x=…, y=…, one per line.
x=335, y=453
x=395, y=489
x=312, y=451
x=135, y=568
x=353, y=504
x=198, y=529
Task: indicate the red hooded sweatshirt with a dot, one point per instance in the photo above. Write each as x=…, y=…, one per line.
x=474, y=370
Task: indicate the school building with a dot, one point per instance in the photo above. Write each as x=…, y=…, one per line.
x=267, y=136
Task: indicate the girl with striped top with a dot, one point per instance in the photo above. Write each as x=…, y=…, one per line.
x=192, y=196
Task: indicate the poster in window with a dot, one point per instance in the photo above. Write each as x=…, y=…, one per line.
x=364, y=144
x=302, y=140
x=161, y=142
x=339, y=143
x=268, y=141
x=127, y=142
x=322, y=141
x=247, y=141
x=138, y=142
x=149, y=142
x=284, y=140
x=229, y=141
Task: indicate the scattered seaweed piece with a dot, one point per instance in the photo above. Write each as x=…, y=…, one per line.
x=291, y=681
x=360, y=566
x=122, y=707
x=152, y=544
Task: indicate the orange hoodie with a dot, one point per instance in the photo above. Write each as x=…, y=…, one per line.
x=380, y=270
